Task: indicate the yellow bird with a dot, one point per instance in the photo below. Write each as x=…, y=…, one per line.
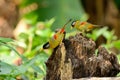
x=56, y=39
x=84, y=26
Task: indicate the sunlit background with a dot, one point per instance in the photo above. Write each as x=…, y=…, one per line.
x=25, y=25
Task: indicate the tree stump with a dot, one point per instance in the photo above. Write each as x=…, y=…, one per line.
x=75, y=58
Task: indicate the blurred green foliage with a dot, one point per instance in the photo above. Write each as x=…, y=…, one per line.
x=43, y=12
x=117, y=2
x=48, y=16
x=61, y=10
x=111, y=38
x=33, y=59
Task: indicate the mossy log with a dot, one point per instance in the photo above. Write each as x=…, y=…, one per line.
x=75, y=58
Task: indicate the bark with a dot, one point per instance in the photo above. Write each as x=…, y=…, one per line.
x=75, y=58
x=96, y=78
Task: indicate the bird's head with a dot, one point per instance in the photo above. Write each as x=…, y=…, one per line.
x=75, y=23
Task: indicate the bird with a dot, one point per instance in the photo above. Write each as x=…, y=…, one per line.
x=84, y=26
x=56, y=39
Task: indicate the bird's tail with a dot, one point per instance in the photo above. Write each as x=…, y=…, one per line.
x=91, y=27
x=98, y=26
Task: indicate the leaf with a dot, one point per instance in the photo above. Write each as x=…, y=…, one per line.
x=7, y=69
x=31, y=63
x=23, y=36
x=5, y=39
x=43, y=57
x=116, y=44
x=37, y=69
x=49, y=23
x=101, y=31
x=118, y=57
x=97, y=33
x=10, y=47
x=9, y=78
x=109, y=35
x=45, y=33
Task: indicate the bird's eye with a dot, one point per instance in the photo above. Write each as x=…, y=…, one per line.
x=73, y=23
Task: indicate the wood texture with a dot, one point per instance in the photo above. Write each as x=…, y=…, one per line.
x=75, y=58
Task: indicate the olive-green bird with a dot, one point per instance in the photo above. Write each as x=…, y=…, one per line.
x=56, y=39
x=84, y=26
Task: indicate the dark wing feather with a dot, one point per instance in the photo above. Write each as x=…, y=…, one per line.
x=46, y=45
